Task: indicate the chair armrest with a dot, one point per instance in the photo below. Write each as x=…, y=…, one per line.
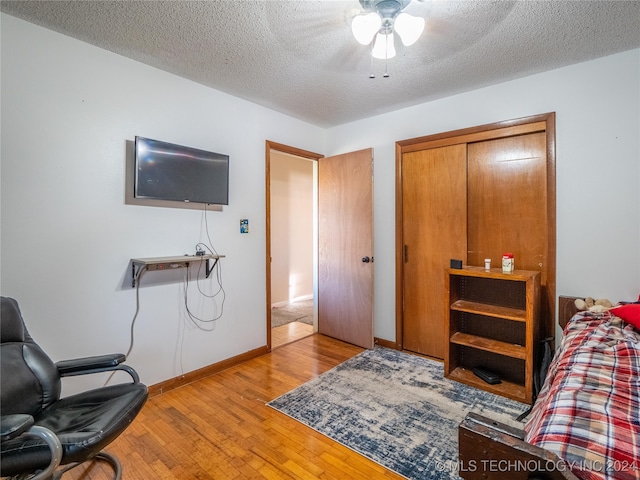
x=97, y=364
x=12, y=426
x=80, y=366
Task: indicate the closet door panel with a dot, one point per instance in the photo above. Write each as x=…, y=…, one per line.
x=434, y=188
x=507, y=191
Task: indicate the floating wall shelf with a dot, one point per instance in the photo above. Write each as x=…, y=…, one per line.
x=171, y=263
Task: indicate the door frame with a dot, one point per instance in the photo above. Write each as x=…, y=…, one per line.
x=279, y=147
x=542, y=122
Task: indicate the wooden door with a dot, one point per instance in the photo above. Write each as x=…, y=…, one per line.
x=507, y=188
x=434, y=220
x=345, y=247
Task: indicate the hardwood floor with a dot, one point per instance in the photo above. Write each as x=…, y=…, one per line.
x=289, y=333
x=220, y=428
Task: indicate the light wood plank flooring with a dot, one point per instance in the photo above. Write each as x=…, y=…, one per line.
x=220, y=427
x=289, y=333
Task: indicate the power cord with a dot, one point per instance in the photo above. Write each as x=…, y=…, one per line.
x=135, y=316
x=201, y=249
x=133, y=320
x=194, y=318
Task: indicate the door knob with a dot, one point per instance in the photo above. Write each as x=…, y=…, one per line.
x=366, y=259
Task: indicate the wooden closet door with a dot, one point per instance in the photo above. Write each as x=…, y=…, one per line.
x=507, y=188
x=434, y=219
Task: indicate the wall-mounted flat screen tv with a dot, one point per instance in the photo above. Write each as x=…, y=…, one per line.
x=165, y=171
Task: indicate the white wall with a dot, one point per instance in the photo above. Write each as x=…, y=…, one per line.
x=597, y=107
x=291, y=228
x=68, y=111
x=69, y=108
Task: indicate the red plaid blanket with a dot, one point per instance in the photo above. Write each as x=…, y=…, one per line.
x=588, y=411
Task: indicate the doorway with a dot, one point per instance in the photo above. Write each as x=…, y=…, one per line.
x=291, y=238
x=343, y=244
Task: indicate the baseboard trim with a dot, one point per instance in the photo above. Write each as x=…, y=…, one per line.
x=203, y=372
x=386, y=343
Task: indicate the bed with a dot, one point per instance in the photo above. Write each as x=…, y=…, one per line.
x=585, y=423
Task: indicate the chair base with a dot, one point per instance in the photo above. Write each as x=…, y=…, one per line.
x=104, y=456
x=57, y=475
x=113, y=461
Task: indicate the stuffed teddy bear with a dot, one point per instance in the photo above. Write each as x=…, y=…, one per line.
x=595, y=306
x=627, y=311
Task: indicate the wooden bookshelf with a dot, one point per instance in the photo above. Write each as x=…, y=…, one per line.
x=492, y=322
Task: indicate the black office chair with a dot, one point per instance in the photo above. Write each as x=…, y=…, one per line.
x=44, y=435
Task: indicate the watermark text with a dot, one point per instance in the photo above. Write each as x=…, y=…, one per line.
x=537, y=465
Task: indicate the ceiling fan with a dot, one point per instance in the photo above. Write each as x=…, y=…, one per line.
x=381, y=19
x=320, y=34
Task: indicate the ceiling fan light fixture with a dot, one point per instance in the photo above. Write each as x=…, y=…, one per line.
x=365, y=27
x=409, y=28
x=381, y=19
x=383, y=48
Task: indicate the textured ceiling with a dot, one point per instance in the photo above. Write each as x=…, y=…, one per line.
x=300, y=58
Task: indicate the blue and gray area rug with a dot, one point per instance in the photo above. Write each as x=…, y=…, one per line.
x=396, y=409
